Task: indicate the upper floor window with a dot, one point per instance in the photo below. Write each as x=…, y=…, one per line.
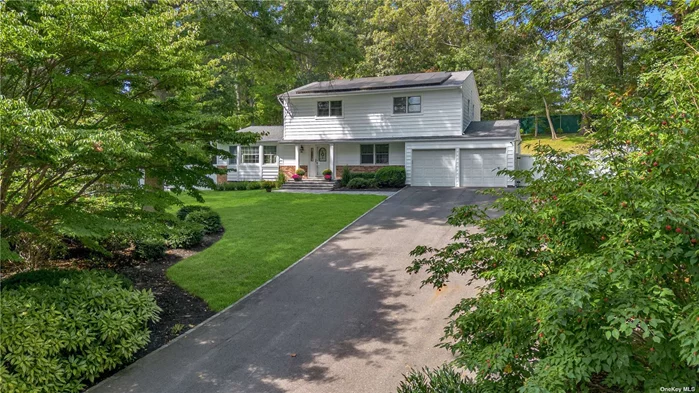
x=407, y=104
x=329, y=108
x=373, y=154
x=250, y=154
x=270, y=154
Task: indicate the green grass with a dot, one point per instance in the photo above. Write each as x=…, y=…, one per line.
x=265, y=233
x=571, y=143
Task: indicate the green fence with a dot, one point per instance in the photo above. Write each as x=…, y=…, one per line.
x=562, y=123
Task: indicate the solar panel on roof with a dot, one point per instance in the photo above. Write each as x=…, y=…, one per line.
x=374, y=83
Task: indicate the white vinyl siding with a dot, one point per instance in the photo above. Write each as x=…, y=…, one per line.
x=349, y=154
x=252, y=170
x=371, y=116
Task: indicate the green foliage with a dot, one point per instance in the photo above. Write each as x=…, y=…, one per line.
x=186, y=209
x=360, y=183
x=346, y=176
x=300, y=172
x=268, y=185
x=63, y=330
x=440, y=380
x=390, y=176
x=185, y=234
x=281, y=179
x=327, y=172
x=239, y=186
x=209, y=219
x=254, y=185
x=591, y=271
x=150, y=247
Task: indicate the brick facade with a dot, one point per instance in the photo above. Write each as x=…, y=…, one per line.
x=290, y=170
x=360, y=169
x=220, y=179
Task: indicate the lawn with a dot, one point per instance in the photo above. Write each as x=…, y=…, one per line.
x=265, y=233
x=572, y=143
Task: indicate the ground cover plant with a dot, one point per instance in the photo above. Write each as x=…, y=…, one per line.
x=262, y=238
x=62, y=329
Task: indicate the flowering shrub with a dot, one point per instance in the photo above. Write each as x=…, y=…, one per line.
x=328, y=177
x=296, y=177
x=327, y=172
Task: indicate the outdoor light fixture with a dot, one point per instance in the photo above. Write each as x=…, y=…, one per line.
x=301, y=149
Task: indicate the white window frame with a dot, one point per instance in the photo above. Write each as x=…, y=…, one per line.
x=273, y=156
x=233, y=149
x=407, y=106
x=373, y=154
x=330, y=115
x=250, y=151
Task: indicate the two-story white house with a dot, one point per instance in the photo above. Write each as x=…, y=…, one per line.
x=428, y=123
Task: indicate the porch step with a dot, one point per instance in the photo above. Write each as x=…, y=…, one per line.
x=308, y=184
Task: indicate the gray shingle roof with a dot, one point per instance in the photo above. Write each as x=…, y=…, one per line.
x=412, y=81
x=492, y=129
x=270, y=133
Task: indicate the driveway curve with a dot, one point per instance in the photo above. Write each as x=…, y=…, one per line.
x=347, y=318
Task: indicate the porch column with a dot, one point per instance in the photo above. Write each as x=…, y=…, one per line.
x=238, y=160
x=331, y=159
x=297, y=155
x=262, y=160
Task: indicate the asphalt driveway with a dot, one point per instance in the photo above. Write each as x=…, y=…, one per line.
x=347, y=318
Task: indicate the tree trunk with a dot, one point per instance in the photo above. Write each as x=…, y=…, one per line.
x=536, y=126
x=501, y=107
x=548, y=117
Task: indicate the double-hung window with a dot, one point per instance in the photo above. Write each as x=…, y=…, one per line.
x=251, y=154
x=410, y=104
x=373, y=154
x=329, y=108
x=234, y=155
x=270, y=155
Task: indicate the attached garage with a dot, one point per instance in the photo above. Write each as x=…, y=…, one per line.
x=435, y=168
x=479, y=167
x=469, y=160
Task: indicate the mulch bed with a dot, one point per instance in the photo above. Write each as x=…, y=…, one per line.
x=181, y=310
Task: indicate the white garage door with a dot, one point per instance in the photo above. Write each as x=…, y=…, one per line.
x=434, y=168
x=479, y=167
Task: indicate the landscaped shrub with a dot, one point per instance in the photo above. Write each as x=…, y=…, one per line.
x=152, y=247
x=346, y=176
x=363, y=175
x=281, y=179
x=390, y=176
x=268, y=185
x=185, y=210
x=254, y=185
x=300, y=172
x=185, y=234
x=60, y=332
x=209, y=219
x=327, y=171
x=443, y=379
x=49, y=277
x=359, y=183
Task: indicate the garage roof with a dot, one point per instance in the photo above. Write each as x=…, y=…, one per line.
x=269, y=133
x=492, y=129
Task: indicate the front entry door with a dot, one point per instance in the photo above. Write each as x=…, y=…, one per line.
x=322, y=162
x=318, y=161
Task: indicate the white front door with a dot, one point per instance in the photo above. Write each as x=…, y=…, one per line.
x=318, y=160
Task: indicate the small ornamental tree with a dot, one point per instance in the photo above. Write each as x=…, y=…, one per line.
x=592, y=271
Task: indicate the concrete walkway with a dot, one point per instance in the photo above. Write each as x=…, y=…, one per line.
x=347, y=318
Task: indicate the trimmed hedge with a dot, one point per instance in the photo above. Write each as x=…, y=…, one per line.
x=185, y=210
x=185, y=235
x=390, y=176
x=150, y=248
x=239, y=186
x=59, y=332
x=208, y=218
x=359, y=183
